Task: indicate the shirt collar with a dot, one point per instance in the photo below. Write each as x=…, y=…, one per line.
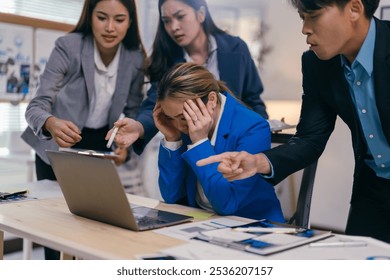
x=212, y=44
x=365, y=56
x=212, y=48
x=112, y=68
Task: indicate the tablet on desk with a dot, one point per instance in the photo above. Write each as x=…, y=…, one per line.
x=95, y=153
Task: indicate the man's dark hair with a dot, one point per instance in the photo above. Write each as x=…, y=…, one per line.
x=307, y=6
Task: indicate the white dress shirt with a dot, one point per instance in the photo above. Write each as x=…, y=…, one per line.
x=105, y=82
x=212, y=61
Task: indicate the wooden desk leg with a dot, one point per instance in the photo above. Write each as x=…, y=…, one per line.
x=27, y=249
x=1, y=245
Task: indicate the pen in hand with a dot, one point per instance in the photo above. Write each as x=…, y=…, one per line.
x=114, y=132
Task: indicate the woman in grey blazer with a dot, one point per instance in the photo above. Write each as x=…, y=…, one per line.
x=92, y=76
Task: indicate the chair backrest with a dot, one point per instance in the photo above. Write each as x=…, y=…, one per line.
x=302, y=213
x=301, y=217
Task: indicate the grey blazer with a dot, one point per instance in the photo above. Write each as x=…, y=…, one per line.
x=67, y=85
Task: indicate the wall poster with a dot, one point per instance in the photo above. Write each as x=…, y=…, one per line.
x=16, y=56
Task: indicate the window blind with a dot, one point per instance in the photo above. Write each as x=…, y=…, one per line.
x=64, y=11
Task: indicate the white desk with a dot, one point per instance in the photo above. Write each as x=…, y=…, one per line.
x=42, y=189
x=23, y=156
x=49, y=222
x=203, y=250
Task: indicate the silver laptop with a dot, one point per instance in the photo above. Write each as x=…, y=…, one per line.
x=92, y=189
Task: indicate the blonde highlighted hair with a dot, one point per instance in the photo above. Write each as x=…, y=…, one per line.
x=189, y=80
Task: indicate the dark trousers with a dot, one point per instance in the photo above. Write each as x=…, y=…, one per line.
x=92, y=139
x=370, y=208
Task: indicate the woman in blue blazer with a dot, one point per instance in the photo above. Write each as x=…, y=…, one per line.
x=187, y=32
x=199, y=117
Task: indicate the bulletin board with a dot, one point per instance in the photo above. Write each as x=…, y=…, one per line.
x=16, y=57
x=25, y=45
x=44, y=44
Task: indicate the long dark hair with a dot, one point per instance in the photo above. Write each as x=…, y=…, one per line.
x=165, y=50
x=132, y=40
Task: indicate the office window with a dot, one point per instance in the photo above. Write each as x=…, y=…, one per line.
x=64, y=11
x=61, y=11
x=12, y=119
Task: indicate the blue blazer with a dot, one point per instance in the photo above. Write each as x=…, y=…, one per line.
x=236, y=69
x=239, y=129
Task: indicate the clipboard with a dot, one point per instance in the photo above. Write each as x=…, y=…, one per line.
x=95, y=153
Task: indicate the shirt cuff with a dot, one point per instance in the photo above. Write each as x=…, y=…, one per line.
x=172, y=145
x=197, y=143
x=271, y=176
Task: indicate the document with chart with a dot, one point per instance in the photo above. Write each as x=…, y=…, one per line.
x=261, y=237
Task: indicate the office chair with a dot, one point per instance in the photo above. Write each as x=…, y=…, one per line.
x=302, y=213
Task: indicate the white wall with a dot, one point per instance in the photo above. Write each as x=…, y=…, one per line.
x=382, y=3
x=284, y=62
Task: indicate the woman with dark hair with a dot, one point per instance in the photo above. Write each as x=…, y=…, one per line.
x=186, y=32
x=199, y=117
x=93, y=75
x=169, y=47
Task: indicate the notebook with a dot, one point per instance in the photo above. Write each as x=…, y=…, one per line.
x=92, y=189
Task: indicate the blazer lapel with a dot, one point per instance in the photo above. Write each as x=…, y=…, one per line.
x=123, y=81
x=191, y=186
x=228, y=63
x=225, y=125
x=340, y=88
x=382, y=74
x=88, y=65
